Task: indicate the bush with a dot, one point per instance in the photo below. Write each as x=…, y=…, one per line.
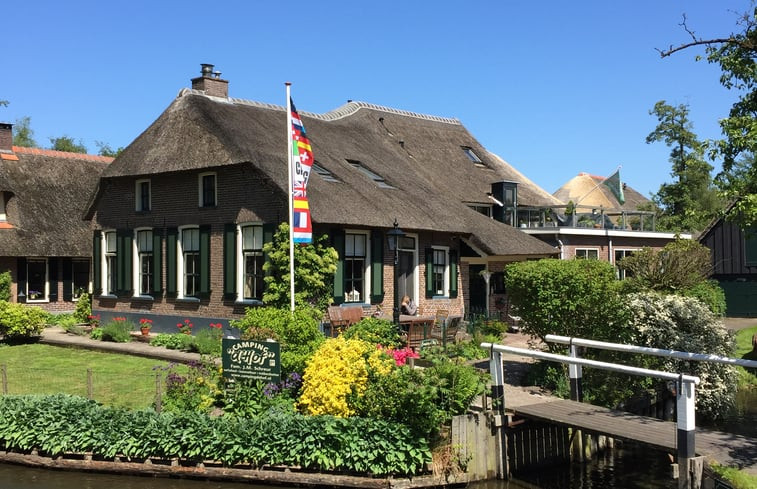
x=297, y=333
x=118, y=330
x=375, y=331
x=710, y=293
x=198, y=390
x=19, y=321
x=70, y=325
x=83, y=309
x=208, y=342
x=5, y=286
x=254, y=398
x=176, y=341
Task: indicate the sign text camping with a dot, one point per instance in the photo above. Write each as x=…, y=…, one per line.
x=253, y=360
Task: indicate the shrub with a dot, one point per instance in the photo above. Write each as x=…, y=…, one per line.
x=197, y=390
x=375, y=331
x=208, y=341
x=118, y=330
x=297, y=333
x=457, y=385
x=5, y=286
x=710, y=293
x=176, y=341
x=83, y=309
x=254, y=398
x=96, y=334
x=70, y=325
x=19, y=321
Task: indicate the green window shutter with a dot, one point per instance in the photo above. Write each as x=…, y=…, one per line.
x=337, y=241
x=204, y=261
x=229, y=262
x=377, y=266
x=52, y=279
x=453, y=274
x=21, y=279
x=67, y=275
x=429, y=273
x=123, y=261
x=97, y=262
x=157, y=263
x=172, y=235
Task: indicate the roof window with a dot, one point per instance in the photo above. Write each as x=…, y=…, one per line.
x=324, y=173
x=373, y=176
x=472, y=155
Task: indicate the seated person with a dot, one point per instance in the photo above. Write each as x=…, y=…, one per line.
x=408, y=307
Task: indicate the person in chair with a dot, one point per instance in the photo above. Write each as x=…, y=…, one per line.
x=407, y=306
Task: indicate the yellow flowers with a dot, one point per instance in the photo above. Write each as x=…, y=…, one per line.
x=339, y=369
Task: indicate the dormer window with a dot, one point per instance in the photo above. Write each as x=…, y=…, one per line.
x=324, y=173
x=472, y=155
x=380, y=181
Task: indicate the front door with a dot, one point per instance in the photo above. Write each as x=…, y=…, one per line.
x=406, y=275
x=476, y=290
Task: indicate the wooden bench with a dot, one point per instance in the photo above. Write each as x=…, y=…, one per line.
x=341, y=318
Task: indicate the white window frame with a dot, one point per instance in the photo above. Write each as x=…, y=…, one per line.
x=586, y=250
x=3, y=216
x=74, y=297
x=107, y=272
x=445, y=273
x=621, y=274
x=138, y=195
x=45, y=293
x=200, y=189
x=241, y=260
x=365, y=298
x=136, y=266
x=181, y=279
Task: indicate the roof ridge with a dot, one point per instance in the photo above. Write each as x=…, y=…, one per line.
x=345, y=110
x=61, y=154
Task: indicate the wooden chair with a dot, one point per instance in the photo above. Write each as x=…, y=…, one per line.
x=446, y=333
x=418, y=331
x=337, y=322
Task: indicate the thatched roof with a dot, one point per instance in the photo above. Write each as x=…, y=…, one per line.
x=50, y=191
x=421, y=157
x=587, y=190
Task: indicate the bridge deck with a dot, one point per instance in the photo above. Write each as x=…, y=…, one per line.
x=725, y=448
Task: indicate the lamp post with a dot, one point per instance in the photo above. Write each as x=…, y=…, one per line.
x=393, y=237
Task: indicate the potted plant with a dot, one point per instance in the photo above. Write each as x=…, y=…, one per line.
x=145, y=325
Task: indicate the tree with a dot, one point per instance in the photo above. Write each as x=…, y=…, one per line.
x=315, y=266
x=23, y=135
x=691, y=201
x=736, y=56
x=67, y=143
x=104, y=149
x=567, y=297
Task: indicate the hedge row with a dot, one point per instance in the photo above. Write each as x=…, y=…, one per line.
x=64, y=424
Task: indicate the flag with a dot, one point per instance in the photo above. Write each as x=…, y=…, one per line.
x=616, y=186
x=302, y=163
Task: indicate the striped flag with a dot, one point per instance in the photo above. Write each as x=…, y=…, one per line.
x=302, y=163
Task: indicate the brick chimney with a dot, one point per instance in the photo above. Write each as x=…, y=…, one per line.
x=210, y=82
x=6, y=137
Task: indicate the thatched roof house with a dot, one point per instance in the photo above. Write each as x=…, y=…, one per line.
x=587, y=191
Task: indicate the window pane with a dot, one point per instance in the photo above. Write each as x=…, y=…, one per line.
x=80, y=276
x=110, y=242
x=191, y=273
x=253, y=276
x=145, y=279
x=252, y=238
x=359, y=245
x=190, y=240
x=208, y=190
x=349, y=245
x=144, y=241
x=36, y=279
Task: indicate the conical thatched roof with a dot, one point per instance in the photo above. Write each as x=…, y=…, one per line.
x=49, y=193
x=420, y=158
x=587, y=190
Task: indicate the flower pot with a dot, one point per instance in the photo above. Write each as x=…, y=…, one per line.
x=145, y=331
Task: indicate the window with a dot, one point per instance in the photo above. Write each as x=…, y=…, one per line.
x=145, y=272
x=79, y=278
x=3, y=217
x=252, y=262
x=373, y=176
x=143, y=196
x=324, y=173
x=354, y=267
x=482, y=209
x=472, y=155
x=587, y=253
x=109, y=263
x=439, y=272
x=207, y=184
x=190, y=249
x=36, y=280
x=619, y=272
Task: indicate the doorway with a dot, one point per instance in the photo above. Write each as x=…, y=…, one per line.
x=476, y=290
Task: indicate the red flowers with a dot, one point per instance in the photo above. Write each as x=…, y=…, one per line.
x=216, y=325
x=185, y=327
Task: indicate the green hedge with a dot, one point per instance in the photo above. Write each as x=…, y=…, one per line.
x=60, y=423
x=21, y=321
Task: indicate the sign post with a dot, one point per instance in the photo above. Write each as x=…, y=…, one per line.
x=251, y=360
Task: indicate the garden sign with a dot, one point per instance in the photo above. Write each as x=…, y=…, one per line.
x=253, y=360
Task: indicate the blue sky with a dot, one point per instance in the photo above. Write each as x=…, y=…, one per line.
x=555, y=88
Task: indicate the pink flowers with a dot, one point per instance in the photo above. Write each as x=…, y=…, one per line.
x=400, y=356
x=185, y=327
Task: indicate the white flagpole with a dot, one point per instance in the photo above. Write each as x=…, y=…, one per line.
x=291, y=191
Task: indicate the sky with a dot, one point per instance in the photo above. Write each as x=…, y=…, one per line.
x=555, y=88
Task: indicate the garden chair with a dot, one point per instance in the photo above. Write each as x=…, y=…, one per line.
x=417, y=332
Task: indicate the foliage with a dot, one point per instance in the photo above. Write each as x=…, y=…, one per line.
x=117, y=330
x=457, y=385
x=5, y=286
x=685, y=324
x=208, y=341
x=568, y=297
x=679, y=265
x=96, y=334
x=67, y=143
x=314, y=269
x=70, y=325
x=23, y=135
x=298, y=333
x=83, y=309
x=254, y=398
x=375, y=331
x=197, y=390
x=337, y=371
x=691, y=201
x=104, y=149
x=185, y=327
x=57, y=424
x=738, y=479
x=21, y=321
x=176, y=341
x=400, y=355
x=710, y=293
x=550, y=375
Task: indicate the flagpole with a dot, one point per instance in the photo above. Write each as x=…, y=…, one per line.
x=290, y=194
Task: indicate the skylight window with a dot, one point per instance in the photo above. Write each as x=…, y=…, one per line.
x=472, y=155
x=373, y=176
x=324, y=173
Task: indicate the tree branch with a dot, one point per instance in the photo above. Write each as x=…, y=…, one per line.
x=698, y=42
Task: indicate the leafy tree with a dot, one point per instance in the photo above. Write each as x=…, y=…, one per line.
x=104, y=149
x=315, y=266
x=23, y=135
x=67, y=143
x=567, y=297
x=5, y=286
x=691, y=201
x=736, y=56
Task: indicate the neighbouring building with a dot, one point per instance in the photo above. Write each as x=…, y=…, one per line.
x=180, y=217
x=45, y=242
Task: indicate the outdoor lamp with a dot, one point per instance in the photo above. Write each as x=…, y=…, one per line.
x=393, y=237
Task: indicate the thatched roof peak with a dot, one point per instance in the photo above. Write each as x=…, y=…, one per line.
x=61, y=154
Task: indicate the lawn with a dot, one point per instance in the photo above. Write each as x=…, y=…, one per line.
x=744, y=343
x=117, y=380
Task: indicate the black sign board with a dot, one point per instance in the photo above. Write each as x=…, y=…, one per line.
x=254, y=360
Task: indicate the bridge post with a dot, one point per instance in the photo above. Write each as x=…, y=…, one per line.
x=576, y=376
x=689, y=465
x=497, y=369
